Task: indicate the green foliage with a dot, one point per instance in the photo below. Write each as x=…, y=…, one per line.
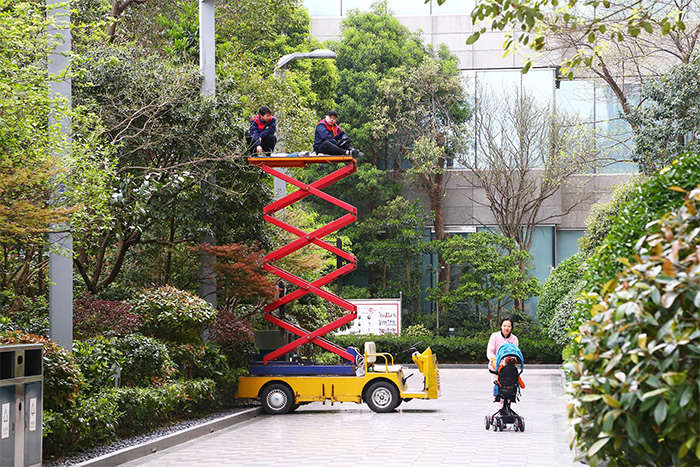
x=62, y=378
x=666, y=123
x=565, y=316
x=172, y=314
x=394, y=257
x=559, y=283
x=145, y=361
x=602, y=217
x=491, y=276
x=452, y=349
x=123, y=412
x=417, y=330
x=648, y=202
x=98, y=359
x=372, y=43
x=634, y=382
x=597, y=23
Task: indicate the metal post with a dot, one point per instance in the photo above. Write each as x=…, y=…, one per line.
x=207, y=67
x=61, y=239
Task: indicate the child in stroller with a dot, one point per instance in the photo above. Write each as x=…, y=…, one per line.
x=507, y=388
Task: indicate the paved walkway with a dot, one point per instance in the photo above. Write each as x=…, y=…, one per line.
x=444, y=432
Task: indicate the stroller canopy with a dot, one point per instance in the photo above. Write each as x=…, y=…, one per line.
x=506, y=350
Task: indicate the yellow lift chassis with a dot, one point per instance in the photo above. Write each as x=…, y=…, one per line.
x=383, y=386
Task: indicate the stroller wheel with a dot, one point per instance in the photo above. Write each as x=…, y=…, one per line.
x=495, y=424
x=521, y=424
x=515, y=426
x=487, y=422
x=499, y=424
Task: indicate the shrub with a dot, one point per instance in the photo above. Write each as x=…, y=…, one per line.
x=94, y=317
x=417, y=330
x=146, y=361
x=98, y=359
x=62, y=378
x=231, y=330
x=634, y=387
x=602, y=215
x=123, y=412
x=558, y=285
x=647, y=203
x=172, y=314
x=453, y=349
x=564, y=319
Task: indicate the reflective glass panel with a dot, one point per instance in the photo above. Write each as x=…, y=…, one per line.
x=409, y=7
x=322, y=7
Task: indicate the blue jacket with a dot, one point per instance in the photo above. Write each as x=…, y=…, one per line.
x=259, y=130
x=326, y=132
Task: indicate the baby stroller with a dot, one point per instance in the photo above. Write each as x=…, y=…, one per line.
x=507, y=388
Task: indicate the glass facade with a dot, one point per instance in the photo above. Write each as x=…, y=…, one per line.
x=398, y=7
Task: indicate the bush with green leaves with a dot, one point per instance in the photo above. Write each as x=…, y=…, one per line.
x=123, y=412
x=634, y=389
x=145, y=361
x=98, y=360
x=62, y=377
x=602, y=215
x=647, y=203
x=172, y=314
x=558, y=285
x=453, y=349
x=564, y=319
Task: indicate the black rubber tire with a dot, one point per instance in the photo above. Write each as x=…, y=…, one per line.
x=277, y=399
x=382, y=397
x=487, y=422
x=521, y=425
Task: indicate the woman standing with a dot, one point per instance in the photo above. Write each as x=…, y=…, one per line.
x=496, y=340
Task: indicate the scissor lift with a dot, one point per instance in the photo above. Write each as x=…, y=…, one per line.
x=284, y=385
x=269, y=165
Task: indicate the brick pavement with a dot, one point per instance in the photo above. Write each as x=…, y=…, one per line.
x=444, y=432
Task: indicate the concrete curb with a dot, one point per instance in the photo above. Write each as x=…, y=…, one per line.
x=168, y=441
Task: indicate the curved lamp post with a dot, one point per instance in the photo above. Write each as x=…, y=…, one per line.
x=318, y=53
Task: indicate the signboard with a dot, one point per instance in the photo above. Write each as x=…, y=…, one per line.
x=376, y=316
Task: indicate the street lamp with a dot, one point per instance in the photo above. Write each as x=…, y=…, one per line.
x=318, y=53
x=280, y=186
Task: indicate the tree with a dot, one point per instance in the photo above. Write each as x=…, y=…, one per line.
x=166, y=138
x=30, y=175
x=394, y=255
x=532, y=22
x=667, y=122
x=372, y=43
x=525, y=154
x=240, y=275
x=490, y=275
x=423, y=110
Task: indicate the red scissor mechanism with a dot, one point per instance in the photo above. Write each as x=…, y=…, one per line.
x=268, y=164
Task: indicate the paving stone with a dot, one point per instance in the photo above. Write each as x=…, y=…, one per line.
x=447, y=431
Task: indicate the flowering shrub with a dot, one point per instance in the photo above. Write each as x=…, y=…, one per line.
x=173, y=314
x=93, y=317
x=634, y=387
x=62, y=378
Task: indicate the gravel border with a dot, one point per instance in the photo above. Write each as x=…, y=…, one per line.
x=226, y=416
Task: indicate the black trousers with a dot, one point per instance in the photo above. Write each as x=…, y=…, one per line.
x=328, y=147
x=267, y=143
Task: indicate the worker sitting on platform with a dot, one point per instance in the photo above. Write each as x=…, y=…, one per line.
x=261, y=136
x=330, y=139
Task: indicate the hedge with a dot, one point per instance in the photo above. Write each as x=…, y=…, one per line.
x=453, y=349
x=123, y=412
